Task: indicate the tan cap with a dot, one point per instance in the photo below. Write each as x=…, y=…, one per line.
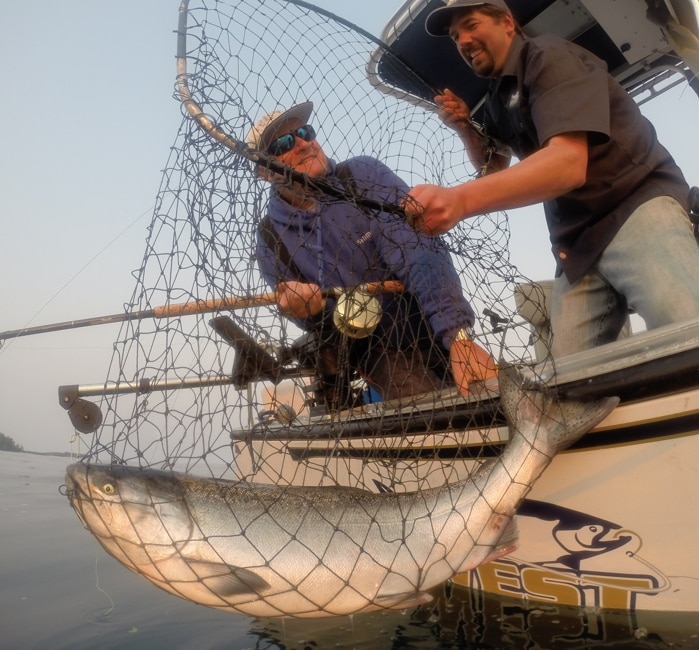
x=270, y=126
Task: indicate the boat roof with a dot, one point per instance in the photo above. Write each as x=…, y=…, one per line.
x=633, y=37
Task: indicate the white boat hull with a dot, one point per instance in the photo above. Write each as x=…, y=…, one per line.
x=611, y=524
x=609, y=528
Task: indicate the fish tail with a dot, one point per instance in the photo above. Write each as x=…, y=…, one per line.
x=550, y=422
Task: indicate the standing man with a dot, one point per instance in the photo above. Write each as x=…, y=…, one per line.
x=311, y=241
x=615, y=200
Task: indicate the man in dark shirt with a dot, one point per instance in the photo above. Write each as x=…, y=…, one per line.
x=614, y=199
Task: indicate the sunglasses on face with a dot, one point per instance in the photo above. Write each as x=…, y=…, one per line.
x=285, y=143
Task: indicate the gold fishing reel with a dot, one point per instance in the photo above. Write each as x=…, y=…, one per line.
x=357, y=313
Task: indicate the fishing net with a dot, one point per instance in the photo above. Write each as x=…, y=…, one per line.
x=170, y=398
x=238, y=391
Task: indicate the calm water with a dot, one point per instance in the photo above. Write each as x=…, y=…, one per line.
x=59, y=589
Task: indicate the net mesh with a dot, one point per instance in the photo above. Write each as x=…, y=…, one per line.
x=241, y=392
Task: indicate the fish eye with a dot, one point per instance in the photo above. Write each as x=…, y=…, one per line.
x=108, y=488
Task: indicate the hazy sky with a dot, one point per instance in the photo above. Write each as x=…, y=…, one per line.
x=88, y=118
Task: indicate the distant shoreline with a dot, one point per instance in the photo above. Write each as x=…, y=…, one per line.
x=39, y=453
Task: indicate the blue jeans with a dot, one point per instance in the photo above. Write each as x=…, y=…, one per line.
x=651, y=267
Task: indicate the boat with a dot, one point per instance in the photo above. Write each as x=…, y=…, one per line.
x=610, y=524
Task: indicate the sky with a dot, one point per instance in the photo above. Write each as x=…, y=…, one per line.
x=88, y=120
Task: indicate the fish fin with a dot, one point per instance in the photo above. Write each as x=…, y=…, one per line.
x=227, y=580
x=382, y=488
x=510, y=534
x=500, y=551
x=506, y=544
x=404, y=601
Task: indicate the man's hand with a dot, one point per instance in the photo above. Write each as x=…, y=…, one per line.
x=432, y=210
x=470, y=363
x=454, y=112
x=299, y=299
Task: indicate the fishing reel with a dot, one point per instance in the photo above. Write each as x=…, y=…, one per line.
x=357, y=313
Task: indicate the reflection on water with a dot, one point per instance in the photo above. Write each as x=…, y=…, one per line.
x=461, y=618
x=472, y=618
x=58, y=589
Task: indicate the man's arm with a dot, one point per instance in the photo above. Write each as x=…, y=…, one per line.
x=427, y=271
x=300, y=301
x=557, y=168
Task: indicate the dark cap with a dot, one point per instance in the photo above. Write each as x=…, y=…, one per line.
x=438, y=22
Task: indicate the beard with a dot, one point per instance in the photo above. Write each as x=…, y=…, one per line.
x=483, y=65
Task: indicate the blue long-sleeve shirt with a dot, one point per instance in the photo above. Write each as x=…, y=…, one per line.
x=341, y=245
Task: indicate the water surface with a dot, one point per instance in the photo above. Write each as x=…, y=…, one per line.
x=59, y=589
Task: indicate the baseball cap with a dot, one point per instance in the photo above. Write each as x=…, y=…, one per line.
x=270, y=126
x=438, y=22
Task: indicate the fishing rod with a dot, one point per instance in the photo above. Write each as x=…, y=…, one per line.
x=87, y=417
x=198, y=307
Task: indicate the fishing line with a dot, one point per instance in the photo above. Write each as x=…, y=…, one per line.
x=111, y=607
x=70, y=280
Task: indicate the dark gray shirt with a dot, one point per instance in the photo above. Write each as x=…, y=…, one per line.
x=549, y=87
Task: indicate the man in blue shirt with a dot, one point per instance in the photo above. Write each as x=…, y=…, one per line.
x=423, y=341
x=614, y=199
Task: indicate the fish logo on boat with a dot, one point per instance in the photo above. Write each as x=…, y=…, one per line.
x=583, y=561
x=582, y=537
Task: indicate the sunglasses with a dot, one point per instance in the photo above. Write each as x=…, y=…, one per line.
x=285, y=143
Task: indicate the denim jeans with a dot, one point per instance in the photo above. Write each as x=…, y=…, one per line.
x=650, y=267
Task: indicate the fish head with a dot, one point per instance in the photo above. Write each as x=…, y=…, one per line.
x=137, y=515
x=144, y=519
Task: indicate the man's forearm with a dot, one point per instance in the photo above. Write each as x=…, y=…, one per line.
x=549, y=173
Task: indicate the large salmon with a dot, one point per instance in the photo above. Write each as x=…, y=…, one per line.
x=324, y=551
